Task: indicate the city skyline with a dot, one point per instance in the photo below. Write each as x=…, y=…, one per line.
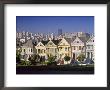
x=51, y=24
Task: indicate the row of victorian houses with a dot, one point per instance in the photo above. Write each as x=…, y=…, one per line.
x=71, y=47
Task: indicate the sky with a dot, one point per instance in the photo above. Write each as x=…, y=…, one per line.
x=51, y=24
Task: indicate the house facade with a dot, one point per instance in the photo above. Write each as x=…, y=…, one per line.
x=41, y=49
x=64, y=48
x=52, y=48
x=90, y=48
x=27, y=50
x=77, y=47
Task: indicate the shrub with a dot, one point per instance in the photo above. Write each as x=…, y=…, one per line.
x=67, y=58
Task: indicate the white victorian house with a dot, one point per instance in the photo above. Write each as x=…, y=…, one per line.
x=51, y=48
x=27, y=50
x=41, y=49
x=64, y=48
x=78, y=46
x=90, y=48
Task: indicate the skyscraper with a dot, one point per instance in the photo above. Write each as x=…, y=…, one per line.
x=59, y=32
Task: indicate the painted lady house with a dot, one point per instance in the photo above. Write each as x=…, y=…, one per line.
x=27, y=50
x=41, y=49
x=78, y=45
x=90, y=48
x=52, y=48
x=64, y=48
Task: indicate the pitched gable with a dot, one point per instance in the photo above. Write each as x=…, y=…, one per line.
x=28, y=44
x=50, y=44
x=63, y=42
x=77, y=40
x=40, y=44
x=91, y=39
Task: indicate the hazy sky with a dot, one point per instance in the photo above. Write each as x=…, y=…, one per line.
x=49, y=24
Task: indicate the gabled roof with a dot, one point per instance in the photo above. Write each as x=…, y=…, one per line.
x=90, y=38
x=29, y=43
x=83, y=39
x=45, y=42
x=68, y=40
x=56, y=41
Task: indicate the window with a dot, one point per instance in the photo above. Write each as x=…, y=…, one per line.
x=55, y=50
x=41, y=51
x=24, y=50
x=40, y=45
x=79, y=47
x=66, y=49
x=92, y=46
x=88, y=46
x=93, y=40
x=38, y=50
x=51, y=43
x=77, y=41
x=31, y=50
x=74, y=48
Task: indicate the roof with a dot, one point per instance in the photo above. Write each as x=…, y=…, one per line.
x=28, y=43
x=83, y=39
x=68, y=40
x=56, y=41
x=45, y=42
x=90, y=38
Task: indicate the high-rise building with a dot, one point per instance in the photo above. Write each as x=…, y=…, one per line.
x=59, y=32
x=52, y=36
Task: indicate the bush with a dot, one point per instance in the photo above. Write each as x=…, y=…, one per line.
x=81, y=57
x=25, y=63
x=51, y=60
x=67, y=58
x=18, y=56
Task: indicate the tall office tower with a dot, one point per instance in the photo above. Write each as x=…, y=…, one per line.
x=51, y=36
x=59, y=32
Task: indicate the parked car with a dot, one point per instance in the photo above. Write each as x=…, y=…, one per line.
x=88, y=61
x=74, y=62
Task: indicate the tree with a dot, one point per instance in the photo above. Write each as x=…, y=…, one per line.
x=24, y=62
x=51, y=60
x=81, y=57
x=32, y=59
x=67, y=58
x=18, y=55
